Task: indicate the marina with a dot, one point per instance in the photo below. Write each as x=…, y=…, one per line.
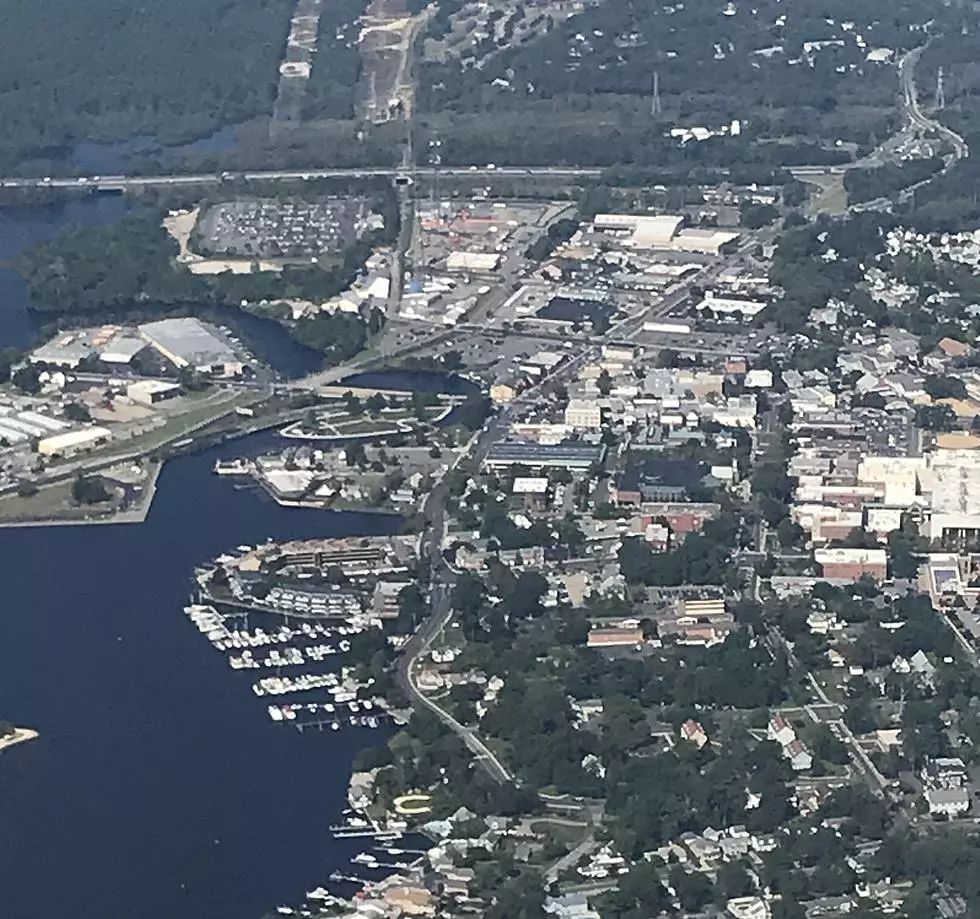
x=349, y=706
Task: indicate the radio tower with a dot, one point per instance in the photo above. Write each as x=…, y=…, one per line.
x=656, y=109
x=940, y=91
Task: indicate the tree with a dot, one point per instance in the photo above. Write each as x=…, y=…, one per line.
x=354, y=405
x=376, y=404
x=935, y=417
x=694, y=890
x=76, y=411
x=28, y=379
x=88, y=489
x=604, y=382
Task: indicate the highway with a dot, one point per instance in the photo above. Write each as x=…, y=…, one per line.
x=134, y=182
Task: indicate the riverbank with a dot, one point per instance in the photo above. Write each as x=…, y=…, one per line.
x=19, y=736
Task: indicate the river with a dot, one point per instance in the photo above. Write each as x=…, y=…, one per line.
x=159, y=788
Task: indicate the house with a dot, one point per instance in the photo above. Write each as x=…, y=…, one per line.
x=411, y=900
x=798, y=755
x=780, y=730
x=502, y=393
x=694, y=733
x=570, y=906
x=948, y=802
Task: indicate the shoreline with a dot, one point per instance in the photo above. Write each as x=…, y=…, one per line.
x=19, y=736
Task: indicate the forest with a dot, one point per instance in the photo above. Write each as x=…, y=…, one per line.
x=112, y=70
x=786, y=71
x=127, y=270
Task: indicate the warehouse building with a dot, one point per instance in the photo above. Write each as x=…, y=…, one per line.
x=67, y=349
x=150, y=392
x=122, y=350
x=187, y=342
x=71, y=443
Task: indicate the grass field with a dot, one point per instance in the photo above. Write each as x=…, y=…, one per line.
x=829, y=196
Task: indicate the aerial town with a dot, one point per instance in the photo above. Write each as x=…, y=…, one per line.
x=586, y=469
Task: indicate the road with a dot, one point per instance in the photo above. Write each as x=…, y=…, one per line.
x=123, y=182
x=859, y=758
x=442, y=578
x=910, y=102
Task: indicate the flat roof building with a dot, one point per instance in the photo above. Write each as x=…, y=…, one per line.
x=72, y=443
x=149, y=392
x=122, y=350
x=187, y=342
x=615, y=638
x=955, y=486
x=473, y=261
x=584, y=414
x=853, y=564
x=538, y=456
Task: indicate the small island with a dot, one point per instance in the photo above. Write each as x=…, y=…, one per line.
x=10, y=736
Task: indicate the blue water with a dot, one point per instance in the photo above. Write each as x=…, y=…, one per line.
x=412, y=381
x=159, y=788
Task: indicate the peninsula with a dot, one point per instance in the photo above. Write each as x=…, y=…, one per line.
x=11, y=736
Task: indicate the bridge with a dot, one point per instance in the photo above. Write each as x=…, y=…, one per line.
x=365, y=392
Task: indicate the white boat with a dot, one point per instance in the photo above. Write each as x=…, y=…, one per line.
x=275, y=713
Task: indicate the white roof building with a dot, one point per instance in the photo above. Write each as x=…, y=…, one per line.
x=530, y=485
x=472, y=261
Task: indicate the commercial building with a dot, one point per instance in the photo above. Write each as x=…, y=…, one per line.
x=853, y=564
x=583, y=414
x=955, y=504
x=615, y=638
x=697, y=622
x=530, y=486
x=575, y=456
x=647, y=231
x=67, y=349
x=896, y=478
x=480, y=262
x=187, y=342
x=354, y=556
x=150, y=392
x=72, y=443
x=122, y=350
x=730, y=307
x=667, y=480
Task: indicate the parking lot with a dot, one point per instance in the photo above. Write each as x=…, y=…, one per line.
x=283, y=229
